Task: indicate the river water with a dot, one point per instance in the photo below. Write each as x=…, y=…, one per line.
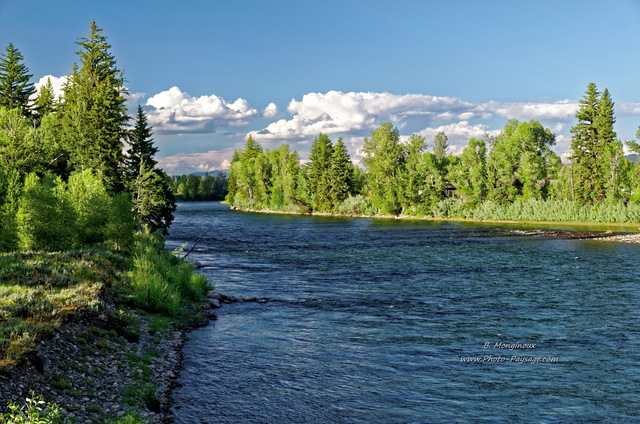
x=393, y=321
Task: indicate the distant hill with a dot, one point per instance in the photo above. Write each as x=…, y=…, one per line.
x=633, y=158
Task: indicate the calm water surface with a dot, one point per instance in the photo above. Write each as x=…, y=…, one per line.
x=372, y=321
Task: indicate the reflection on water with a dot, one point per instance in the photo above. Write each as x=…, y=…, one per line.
x=397, y=321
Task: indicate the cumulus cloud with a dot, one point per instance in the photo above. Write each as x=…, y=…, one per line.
x=271, y=111
x=347, y=113
x=186, y=163
x=175, y=111
x=560, y=110
x=459, y=134
x=57, y=83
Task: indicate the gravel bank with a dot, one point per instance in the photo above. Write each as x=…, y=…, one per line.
x=97, y=376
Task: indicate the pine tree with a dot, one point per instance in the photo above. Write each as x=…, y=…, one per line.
x=592, y=143
x=94, y=110
x=318, y=171
x=141, y=148
x=340, y=175
x=45, y=102
x=153, y=199
x=149, y=186
x=15, y=85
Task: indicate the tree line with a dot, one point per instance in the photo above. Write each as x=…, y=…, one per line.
x=65, y=177
x=493, y=177
x=195, y=187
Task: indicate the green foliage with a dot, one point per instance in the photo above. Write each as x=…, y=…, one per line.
x=15, y=84
x=45, y=103
x=40, y=290
x=160, y=281
x=45, y=218
x=520, y=162
x=20, y=147
x=153, y=199
x=194, y=187
x=384, y=159
x=470, y=173
x=319, y=171
x=356, y=206
x=94, y=111
x=91, y=203
x=34, y=411
x=121, y=224
x=141, y=148
x=596, y=154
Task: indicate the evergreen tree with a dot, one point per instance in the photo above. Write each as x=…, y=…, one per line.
x=153, y=199
x=141, y=148
x=15, y=85
x=232, y=183
x=45, y=102
x=340, y=174
x=150, y=188
x=593, y=142
x=318, y=172
x=94, y=111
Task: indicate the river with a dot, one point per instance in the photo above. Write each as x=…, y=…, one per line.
x=394, y=321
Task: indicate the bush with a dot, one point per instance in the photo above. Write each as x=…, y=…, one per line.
x=35, y=411
x=88, y=196
x=121, y=225
x=160, y=281
x=355, y=206
x=45, y=217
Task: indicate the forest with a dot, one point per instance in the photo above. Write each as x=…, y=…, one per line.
x=513, y=176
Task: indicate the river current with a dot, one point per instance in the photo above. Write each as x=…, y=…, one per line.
x=394, y=321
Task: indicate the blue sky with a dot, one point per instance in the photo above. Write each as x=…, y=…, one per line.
x=209, y=73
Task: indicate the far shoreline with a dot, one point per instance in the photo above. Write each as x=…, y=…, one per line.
x=625, y=232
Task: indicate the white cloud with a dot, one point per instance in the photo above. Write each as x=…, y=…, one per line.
x=271, y=111
x=459, y=134
x=560, y=110
x=186, y=163
x=627, y=109
x=178, y=112
x=347, y=113
x=57, y=83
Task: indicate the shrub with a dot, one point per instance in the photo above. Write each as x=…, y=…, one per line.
x=35, y=411
x=88, y=196
x=160, y=281
x=45, y=216
x=356, y=205
x=121, y=225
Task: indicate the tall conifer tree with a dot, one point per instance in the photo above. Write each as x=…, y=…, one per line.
x=15, y=81
x=141, y=148
x=318, y=171
x=593, y=145
x=94, y=110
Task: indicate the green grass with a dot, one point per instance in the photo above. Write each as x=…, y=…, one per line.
x=40, y=291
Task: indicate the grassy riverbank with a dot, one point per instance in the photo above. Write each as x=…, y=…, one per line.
x=94, y=332
x=547, y=214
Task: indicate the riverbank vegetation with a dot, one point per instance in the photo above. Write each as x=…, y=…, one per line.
x=81, y=216
x=195, y=187
x=512, y=176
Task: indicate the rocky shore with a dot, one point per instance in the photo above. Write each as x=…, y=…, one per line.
x=97, y=376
